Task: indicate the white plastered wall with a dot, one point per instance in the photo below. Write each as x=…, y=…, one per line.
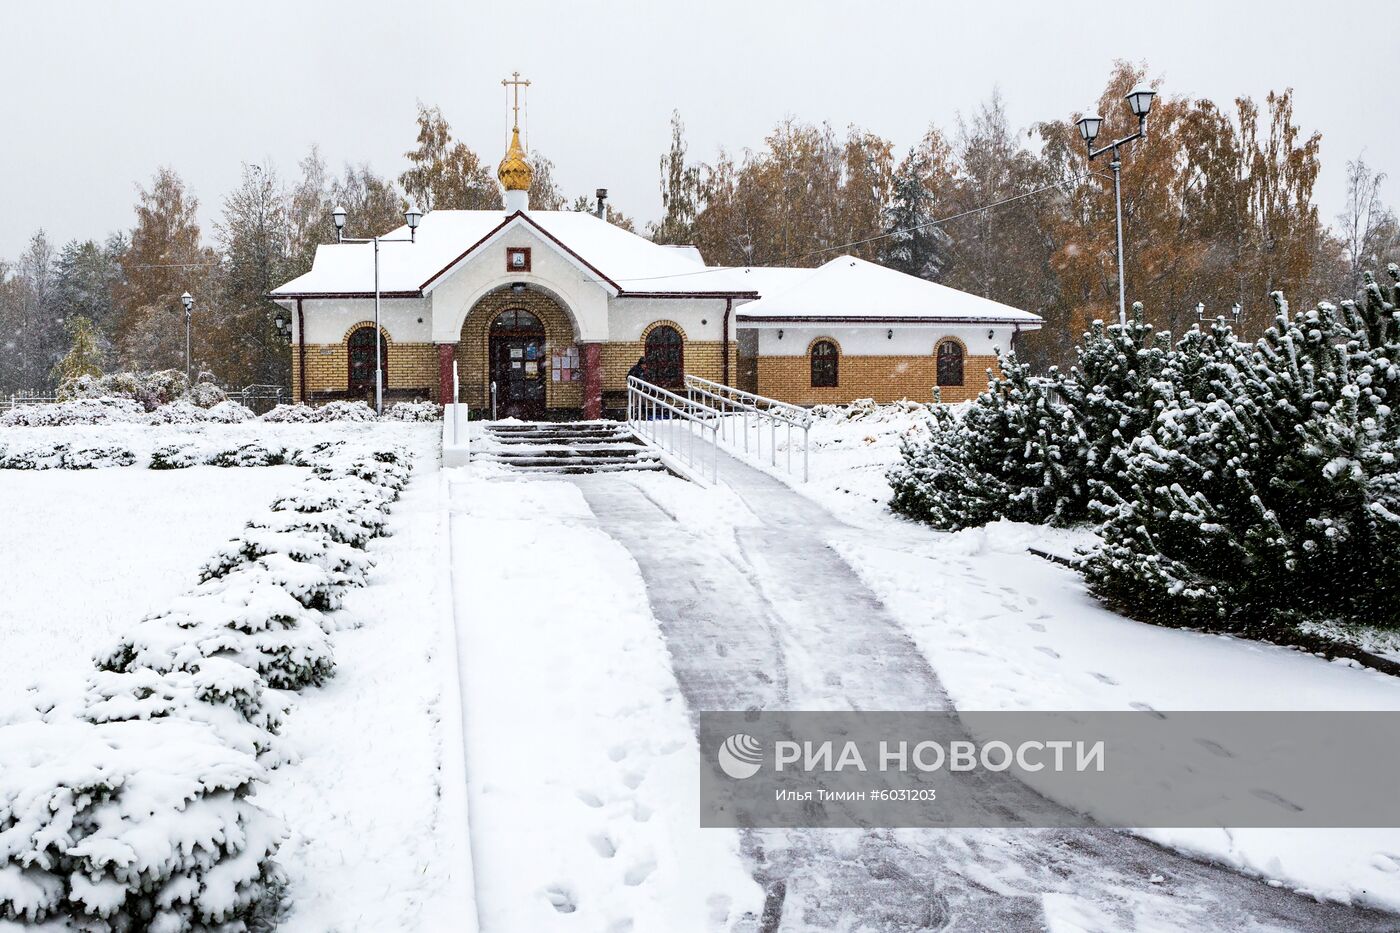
x=699, y=318
x=878, y=339
x=407, y=320
x=583, y=298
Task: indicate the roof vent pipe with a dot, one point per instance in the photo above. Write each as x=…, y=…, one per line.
x=602, y=196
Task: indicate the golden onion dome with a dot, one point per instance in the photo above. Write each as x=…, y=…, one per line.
x=515, y=173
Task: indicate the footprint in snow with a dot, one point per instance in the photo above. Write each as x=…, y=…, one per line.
x=602, y=844
x=633, y=779
x=589, y=798
x=638, y=873
x=1385, y=862
x=1051, y=652
x=561, y=898
x=1103, y=678
x=1035, y=626
x=1147, y=708
x=617, y=752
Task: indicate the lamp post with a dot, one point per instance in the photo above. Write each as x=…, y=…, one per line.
x=411, y=217
x=188, y=301
x=1140, y=102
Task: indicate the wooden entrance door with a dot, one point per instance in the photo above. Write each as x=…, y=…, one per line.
x=519, y=365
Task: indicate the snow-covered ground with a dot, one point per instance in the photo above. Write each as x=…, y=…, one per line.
x=581, y=762
x=375, y=806
x=1006, y=630
x=84, y=553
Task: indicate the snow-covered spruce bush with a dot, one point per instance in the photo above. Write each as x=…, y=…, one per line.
x=296, y=413
x=65, y=457
x=385, y=469
x=149, y=389
x=133, y=825
x=1017, y=453
x=1112, y=391
x=245, y=617
x=251, y=454
x=231, y=698
x=182, y=454
x=205, y=394
x=1268, y=490
x=344, y=411
x=307, y=547
x=228, y=412
x=201, y=451
x=413, y=411
x=177, y=412
x=1032, y=448
x=79, y=411
x=348, y=511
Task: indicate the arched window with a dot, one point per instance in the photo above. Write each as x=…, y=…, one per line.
x=361, y=354
x=950, y=363
x=665, y=356
x=516, y=319
x=825, y=364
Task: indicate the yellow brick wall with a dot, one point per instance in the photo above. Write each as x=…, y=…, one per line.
x=473, y=351
x=703, y=358
x=883, y=378
x=409, y=366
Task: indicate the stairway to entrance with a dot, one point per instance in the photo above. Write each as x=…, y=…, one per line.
x=566, y=447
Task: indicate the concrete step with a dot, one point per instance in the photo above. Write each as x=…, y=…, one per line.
x=572, y=447
x=583, y=456
x=569, y=461
x=640, y=466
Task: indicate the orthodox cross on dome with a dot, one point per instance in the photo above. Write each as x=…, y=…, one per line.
x=515, y=82
x=514, y=171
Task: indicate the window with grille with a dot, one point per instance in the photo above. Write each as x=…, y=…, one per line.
x=825, y=365
x=950, y=363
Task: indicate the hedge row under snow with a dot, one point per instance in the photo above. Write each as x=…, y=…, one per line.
x=117, y=410
x=129, y=806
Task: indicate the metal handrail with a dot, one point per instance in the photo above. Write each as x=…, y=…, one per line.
x=726, y=400
x=645, y=405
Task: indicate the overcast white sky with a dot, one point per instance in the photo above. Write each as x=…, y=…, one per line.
x=98, y=94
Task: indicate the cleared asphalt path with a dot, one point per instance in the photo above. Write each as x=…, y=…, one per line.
x=786, y=624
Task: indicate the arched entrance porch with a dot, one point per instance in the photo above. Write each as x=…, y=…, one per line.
x=530, y=328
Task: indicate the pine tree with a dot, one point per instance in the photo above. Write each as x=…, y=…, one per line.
x=84, y=357
x=1016, y=454
x=1267, y=493
x=913, y=244
x=1112, y=388
x=89, y=280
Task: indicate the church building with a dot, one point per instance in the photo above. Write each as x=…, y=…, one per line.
x=554, y=307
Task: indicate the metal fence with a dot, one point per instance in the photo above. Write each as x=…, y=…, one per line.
x=21, y=398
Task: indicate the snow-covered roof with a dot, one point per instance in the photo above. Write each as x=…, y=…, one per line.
x=851, y=289
x=844, y=289
x=617, y=259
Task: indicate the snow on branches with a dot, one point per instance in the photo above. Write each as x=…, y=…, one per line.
x=127, y=805
x=1266, y=494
